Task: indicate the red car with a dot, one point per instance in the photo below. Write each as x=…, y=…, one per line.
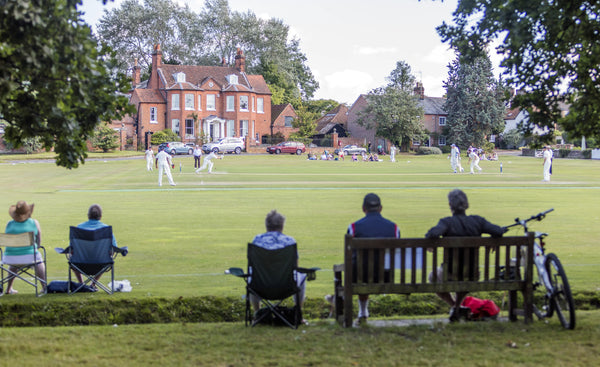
x=291, y=147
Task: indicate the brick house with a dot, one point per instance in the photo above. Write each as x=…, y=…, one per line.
x=199, y=103
x=334, y=121
x=282, y=116
x=434, y=120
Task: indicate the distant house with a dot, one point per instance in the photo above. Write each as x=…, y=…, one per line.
x=434, y=117
x=334, y=121
x=199, y=103
x=282, y=117
x=434, y=120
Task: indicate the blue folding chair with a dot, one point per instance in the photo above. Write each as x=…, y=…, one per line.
x=91, y=253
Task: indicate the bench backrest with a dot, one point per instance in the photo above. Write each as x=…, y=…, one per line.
x=409, y=267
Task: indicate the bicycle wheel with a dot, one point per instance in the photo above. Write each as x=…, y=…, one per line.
x=542, y=307
x=562, y=299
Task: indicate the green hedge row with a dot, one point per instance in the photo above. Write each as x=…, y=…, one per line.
x=107, y=311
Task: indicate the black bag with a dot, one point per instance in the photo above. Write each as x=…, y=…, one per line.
x=62, y=286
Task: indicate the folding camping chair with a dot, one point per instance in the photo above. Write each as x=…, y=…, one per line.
x=91, y=253
x=273, y=277
x=23, y=271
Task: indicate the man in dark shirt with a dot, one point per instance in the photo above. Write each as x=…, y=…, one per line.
x=371, y=225
x=460, y=224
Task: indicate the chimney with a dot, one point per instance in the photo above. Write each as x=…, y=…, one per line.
x=223, y=61
x=419, y=90
x=156, y=62
x=240, y=61
x=135, y=76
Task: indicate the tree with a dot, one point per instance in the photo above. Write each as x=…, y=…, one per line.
x=210, y=37
x=55, y=83
x=474, y=102
x=393, y=110
x=549, y=48
x=164, y=136
x=305, y=123
x=105, y=138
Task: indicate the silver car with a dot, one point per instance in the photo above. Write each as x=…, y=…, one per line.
x=353, y=149
x=225, y=145
x=177, y=147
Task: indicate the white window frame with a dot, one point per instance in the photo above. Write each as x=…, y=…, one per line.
x=175, y=102
x=260, y=105
x=192, y=128
x=253, y=104
x=189, y=102
x=442, y=121
x=154, y=115
x=230, y=130
x=243, y=128
x=175, y=126
x=441, y=140
x=244, y=102
x=290, y=119
x=230, y=103
x=200, y=102
x=211, y=102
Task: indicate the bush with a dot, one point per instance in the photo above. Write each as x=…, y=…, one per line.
x=587, y=153
x=446, y=149
x=428, y=150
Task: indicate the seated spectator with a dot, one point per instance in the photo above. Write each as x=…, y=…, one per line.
x=354, y=158
x=460, y=224
x=94, y=216
x=21, y=223
x=274, y=239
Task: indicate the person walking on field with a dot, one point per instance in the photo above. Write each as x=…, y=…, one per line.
x=547, y=162
x=164, y=164
x=393, y=153
x=197, y=156
x=149, y=158
x=474, y=160
x=208, y=162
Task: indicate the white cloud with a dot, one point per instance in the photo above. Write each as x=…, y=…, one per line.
x=440, y=55
x=366, y=50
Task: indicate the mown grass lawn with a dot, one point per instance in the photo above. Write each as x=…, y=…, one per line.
x=182, y=238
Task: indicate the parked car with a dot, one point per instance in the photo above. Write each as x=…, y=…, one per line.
x=225, y=145
x=176, y=147
x=291, y=147
x=353, y=149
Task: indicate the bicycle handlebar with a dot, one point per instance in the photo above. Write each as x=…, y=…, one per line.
x=539, y=216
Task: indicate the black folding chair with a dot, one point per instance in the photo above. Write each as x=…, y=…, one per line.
x=272, y=276
x=91, y=253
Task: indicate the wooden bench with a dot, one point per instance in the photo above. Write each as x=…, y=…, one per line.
x=490, y=253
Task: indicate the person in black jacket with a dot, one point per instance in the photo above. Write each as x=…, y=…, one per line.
x=460, y=224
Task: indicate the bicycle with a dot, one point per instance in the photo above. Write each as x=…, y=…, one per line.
x=550, y=285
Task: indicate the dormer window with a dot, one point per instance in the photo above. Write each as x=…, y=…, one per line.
x=232, y=79
x=179, y=77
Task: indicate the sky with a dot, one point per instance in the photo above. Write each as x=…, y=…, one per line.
x=352, y=45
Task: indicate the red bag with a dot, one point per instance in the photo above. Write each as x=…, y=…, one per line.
x=481, y=308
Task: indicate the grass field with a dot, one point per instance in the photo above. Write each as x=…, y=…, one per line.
x=182, y=238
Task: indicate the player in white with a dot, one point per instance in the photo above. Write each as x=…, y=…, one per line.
x=208, y=162
x=149, y=158
x=164, y=164
x=393, y=153
x=474, y=160
x=455, y=159
x=547, y=162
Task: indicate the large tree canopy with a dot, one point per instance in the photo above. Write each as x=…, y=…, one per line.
x=551, y=50
x=475, y=102
x=54, y=78
x=208, y=38
x=393, y=110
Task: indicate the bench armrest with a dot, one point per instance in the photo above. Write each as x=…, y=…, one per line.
x=238, y=272
x=311, y=273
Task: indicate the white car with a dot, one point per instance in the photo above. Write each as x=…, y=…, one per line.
x=225, y=145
